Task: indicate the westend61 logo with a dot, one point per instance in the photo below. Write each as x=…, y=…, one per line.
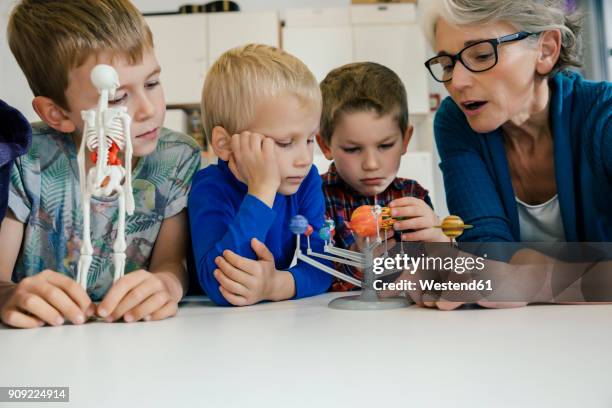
x=413, y=263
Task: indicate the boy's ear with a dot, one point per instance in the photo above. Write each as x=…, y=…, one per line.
x=406, y=138
x=52, y=114
x=324, y=147
x=221, y=142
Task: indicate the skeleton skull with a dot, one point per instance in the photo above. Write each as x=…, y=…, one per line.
x=105, y=77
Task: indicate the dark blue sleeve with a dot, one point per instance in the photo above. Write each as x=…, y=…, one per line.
x=471, y=192
x=15, y=139
x=607, y=143
x=216, y=225
x=427, y=200
x=310, y=281
x=5, y=172
x=592, y=122
x=603, y=130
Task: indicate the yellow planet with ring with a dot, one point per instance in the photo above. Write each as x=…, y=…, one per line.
x=453, y=226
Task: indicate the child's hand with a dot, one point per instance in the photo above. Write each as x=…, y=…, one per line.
x=48, y=297
x=139, y=295
x=246, y=282
x=254, y=159
x=421, y=219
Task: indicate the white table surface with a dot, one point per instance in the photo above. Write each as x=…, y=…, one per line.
x=303, y=354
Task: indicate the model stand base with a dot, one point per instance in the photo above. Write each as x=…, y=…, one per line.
x=368, y=300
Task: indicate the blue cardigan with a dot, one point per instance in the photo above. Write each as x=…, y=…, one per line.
x=477, y=177
x=222, y=215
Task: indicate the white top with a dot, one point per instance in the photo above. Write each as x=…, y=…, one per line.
x=301, y=353
x=541, y=222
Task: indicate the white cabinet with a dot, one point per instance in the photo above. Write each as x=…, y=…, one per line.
x=229, y=30
x=390, y=36
x=383, y=13
x=181, y=45
x=322, y=38
x=401, y=48
x=176, y=119
x=187, y=44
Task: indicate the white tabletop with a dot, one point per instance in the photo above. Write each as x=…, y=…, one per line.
x=304, y=354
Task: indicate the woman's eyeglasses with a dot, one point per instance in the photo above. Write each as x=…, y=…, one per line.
x=478, y=57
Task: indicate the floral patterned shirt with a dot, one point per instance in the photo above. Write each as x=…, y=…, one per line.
x=45, y=195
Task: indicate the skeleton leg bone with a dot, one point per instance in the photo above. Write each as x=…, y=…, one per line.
x=86, y=247
x=120, y=245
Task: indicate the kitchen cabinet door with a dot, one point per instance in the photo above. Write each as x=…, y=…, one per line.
x=322, y=38
x=229, y=30
x=181, y=45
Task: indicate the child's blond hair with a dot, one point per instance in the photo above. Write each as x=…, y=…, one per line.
x=244, y=75
x=50, y=37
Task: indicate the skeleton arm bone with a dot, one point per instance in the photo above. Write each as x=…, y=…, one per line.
x=129, y=196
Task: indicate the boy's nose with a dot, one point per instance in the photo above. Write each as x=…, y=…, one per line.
x=370, y=162
x=303, y=158
x=145, y=109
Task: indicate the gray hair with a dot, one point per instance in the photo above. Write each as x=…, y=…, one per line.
x=533, y=16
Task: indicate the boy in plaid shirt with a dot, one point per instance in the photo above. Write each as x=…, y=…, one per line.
x=365, y=130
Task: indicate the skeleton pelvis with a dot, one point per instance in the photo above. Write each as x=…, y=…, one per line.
x=107, y=183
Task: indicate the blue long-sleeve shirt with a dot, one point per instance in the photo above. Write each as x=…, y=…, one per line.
x=477, y=176
x=223, y=215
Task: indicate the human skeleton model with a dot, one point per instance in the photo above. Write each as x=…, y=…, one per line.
x=366, y=221
x=106, y=132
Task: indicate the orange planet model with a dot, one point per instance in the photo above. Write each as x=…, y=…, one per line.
x=363, y=221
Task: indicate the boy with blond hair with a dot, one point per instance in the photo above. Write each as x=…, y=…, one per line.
x=365, y=131
x=261, y=109
x=57, y=43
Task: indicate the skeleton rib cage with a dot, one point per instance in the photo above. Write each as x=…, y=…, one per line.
x=113, y=132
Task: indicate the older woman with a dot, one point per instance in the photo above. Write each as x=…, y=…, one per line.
x=525, y=145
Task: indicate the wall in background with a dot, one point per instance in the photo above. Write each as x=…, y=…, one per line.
x=14, y=88
x=595, y=49
x=608, y=19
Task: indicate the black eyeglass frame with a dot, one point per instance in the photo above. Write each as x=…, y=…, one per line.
x=495, y=42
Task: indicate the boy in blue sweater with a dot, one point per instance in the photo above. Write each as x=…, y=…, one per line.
x=261, y=110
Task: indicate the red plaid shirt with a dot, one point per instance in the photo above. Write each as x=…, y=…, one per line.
x=340, y=202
